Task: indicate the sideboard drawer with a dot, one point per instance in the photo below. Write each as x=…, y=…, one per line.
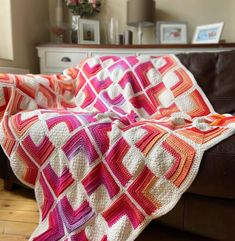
x=55, y=58
x=64, y=60
x=103, y=53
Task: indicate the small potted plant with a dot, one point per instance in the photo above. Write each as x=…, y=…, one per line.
x=80, y=9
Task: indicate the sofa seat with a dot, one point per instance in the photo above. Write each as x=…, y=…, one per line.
x=205, y=216
x=159, y=232
x=216, y=176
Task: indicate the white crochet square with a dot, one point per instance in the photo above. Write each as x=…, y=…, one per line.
x=96, y=230
x=33, y=83
x=155, y=163
x=102, y=75
x=114, y=90
x=154, y=76
x=186, y=104
x=128, y=92
x=42, y=81
x=102, y=195
x=121, y=230
x=158, y=62
x=58, y=163
x=170, y=79
x=28, y=103
x=37, y=133
x=134, y=161
x=163, y=191
x=114, y=134
x=17, y=166
x=166, y=98
x=59, y=134
x=134, y=134
x=117, y=74
x=76, y=196
x=78, y=165
x=40, y=194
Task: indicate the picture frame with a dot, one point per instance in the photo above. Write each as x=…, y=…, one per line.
x=208, y=34
x=169, y=32
x=89, y=31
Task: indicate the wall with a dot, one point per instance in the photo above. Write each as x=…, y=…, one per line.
x=195, y=12
x=199, y=12
x=30, y=22
x=6, y=45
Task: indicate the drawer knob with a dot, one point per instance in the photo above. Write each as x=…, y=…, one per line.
x=66, y=59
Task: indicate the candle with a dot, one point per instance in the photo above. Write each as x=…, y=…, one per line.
x=59, y=13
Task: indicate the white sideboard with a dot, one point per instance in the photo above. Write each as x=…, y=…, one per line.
x=55, y=58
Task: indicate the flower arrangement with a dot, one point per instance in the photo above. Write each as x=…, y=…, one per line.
x=84, y=8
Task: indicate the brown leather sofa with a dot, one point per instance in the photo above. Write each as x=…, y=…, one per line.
x=206, y=211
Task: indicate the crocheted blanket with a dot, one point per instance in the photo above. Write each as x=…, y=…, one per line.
x=108, y=145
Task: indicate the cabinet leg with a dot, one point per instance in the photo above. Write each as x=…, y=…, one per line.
x=8, y=184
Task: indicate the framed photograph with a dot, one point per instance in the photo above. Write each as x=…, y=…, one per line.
x=89, y=31
x=208, y=34
x=171, y=32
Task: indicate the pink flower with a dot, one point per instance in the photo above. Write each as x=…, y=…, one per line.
x=93, y=2
x=73, y=2
x=84, y=7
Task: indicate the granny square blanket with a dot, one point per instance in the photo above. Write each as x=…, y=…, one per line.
x=108, y=145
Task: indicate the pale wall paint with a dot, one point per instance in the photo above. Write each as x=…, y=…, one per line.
x=6, y=45
x=195, y=12
x=199, y=12
x=30, y=22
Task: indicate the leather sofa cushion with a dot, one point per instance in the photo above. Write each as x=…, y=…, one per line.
x=216, y=176
x=158, y=232
x=215, y=73
x=5, y=168
x=210, y=217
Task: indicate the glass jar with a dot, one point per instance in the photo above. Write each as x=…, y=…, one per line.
x=75, y=29
x=112, y=30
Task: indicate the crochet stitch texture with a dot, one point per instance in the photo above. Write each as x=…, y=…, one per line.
x=108, y=145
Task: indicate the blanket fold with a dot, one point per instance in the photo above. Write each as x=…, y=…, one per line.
x=108, y=145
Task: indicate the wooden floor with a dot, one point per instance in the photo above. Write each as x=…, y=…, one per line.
x=18, y=214
x=19, y=217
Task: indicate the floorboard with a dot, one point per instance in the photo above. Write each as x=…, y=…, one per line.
x=19, y=218
x=18, y=214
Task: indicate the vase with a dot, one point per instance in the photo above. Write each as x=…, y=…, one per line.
x=112, y=30
x=75, y=29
